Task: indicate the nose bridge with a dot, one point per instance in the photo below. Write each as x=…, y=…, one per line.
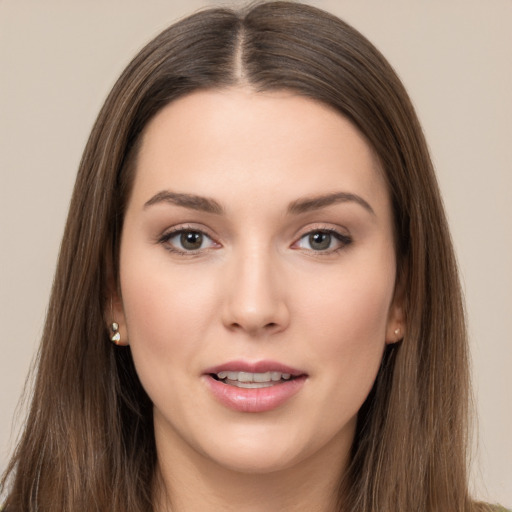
x=255, y=300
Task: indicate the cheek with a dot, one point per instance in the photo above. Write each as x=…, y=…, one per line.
x=167, y=316
x=346, y=322
x=352, y=306
x=166, y=310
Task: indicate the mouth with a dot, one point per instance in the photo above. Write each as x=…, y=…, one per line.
x=252, y=380
x=254, y=387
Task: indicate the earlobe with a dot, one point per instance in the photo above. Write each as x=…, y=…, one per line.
x=116, y=323
x=396, y=327
x=115, y=319
x=113, y=309
x=395, y=331
x=397, y=336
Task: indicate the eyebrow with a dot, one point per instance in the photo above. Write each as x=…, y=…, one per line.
x=296, y=207
x=191, y=201
x=307, y=204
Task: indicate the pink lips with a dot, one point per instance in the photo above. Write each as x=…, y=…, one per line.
x=254, y=399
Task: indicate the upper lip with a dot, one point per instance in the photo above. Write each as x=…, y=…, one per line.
x=254, y=367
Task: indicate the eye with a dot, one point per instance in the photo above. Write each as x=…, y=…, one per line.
x=323, y=240
x=187, y=241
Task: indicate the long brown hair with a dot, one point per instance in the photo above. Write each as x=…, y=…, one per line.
x=88, y=442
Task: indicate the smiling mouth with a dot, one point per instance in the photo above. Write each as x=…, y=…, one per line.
x=254, y=386
x=249, y=380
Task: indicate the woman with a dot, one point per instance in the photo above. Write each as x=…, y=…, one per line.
x=256, y=304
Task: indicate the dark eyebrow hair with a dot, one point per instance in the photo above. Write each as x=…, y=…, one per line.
x=296, y=207
x=191, y=201
x=315, y=203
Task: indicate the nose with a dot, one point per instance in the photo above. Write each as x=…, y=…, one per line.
x=255, y=301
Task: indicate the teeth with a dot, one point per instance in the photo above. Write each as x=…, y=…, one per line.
x=255, y=378
x=247, y=377
x=250, y=385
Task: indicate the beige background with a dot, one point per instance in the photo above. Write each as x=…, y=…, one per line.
x=58, y=60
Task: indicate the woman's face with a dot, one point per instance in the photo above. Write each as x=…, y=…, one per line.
x=257, y=276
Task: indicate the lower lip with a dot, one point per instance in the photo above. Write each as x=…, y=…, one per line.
x=254, y=399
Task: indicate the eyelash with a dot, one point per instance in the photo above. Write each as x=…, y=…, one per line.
x=343, y=240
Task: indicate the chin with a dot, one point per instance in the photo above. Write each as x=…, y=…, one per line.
x=254, y=461
x=266, y=448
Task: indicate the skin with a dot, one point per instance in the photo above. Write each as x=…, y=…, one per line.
x=257, y=288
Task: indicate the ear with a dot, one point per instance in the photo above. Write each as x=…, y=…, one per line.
x=114, y=312
x=395, y=329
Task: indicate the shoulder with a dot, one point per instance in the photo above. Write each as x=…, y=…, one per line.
x=488, y=507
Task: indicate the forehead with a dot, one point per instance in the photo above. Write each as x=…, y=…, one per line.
x=211, y=142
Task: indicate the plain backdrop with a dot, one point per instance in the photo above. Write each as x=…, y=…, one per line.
x=59, y=59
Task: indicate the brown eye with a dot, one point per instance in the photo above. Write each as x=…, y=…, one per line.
x=191, y=240
x=183, y=241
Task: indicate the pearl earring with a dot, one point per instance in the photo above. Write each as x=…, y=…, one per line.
x=116, y=336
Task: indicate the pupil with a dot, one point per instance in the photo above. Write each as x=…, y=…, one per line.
x=191, y=240
x=320, y=241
